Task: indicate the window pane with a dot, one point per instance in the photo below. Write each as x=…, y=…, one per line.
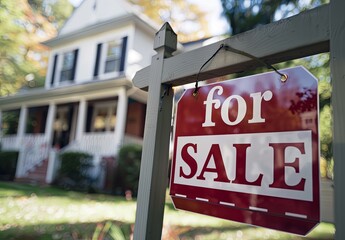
x=66, y=75
x=105, y=119
x=111, y=66
x=68, y=59
x=101, y=116
x=99, y=124
x=112, y=62
x=10, y=121
x=36, y=121
x=114, y=49
x=67, y=66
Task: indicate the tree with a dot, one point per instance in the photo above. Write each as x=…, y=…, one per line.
x=56, y=12
x=10, y=30
x=23, y=27
x=245, y=15
x=185, y=17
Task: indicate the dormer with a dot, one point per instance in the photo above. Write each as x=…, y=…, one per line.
x=102, y=40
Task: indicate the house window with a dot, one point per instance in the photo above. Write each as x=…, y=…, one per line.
x=36, y=121
x=68, y=66
x=113, y=57
x=10, y=120
x=101, y=116
x=110, y=58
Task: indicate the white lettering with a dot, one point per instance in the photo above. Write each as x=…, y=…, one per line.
x=272, y=164
x=241, y=110
x=209, y=102
x=226, y=106
x=257, y=99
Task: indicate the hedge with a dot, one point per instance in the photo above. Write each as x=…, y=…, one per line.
x=8, y=164
x=128, y=169
x=74, y=170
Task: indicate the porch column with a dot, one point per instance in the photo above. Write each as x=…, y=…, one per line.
x=81, y=119
x=49, y=138
x=121, y=115
x=0, y=127
x=22, y=124
x=20, y=135
x=50, y=122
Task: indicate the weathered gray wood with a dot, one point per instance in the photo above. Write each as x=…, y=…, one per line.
x=154, y=164
x=337, y=50
x=301, y=35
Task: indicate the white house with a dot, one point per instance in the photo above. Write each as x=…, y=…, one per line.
x=88, y=103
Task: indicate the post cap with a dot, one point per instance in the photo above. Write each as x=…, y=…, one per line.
x=166, y=38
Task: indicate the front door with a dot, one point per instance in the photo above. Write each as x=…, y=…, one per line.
x=64, y=124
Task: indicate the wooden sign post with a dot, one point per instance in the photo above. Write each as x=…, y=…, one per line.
x=154, y=165
x=337, y=56
x=311, y=32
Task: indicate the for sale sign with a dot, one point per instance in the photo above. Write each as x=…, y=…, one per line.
x=247, y=150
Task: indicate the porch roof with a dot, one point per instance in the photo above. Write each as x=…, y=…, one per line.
x=44, y=95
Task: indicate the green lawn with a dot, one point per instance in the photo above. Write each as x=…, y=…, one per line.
x=28, y=212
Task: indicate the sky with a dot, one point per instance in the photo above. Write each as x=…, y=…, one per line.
x=217, y=24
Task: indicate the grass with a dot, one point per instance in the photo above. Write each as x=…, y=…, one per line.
x=29, y=212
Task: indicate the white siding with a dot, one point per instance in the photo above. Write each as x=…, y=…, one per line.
x=86, y=60
x=139, y=52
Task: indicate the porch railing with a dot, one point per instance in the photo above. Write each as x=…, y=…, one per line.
x=33, y=149
x=9, y=142
x=95, y=143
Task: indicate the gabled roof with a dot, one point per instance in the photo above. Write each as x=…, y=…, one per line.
x=95, y=16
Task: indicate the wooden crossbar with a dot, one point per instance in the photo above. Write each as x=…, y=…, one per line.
x=302, y=35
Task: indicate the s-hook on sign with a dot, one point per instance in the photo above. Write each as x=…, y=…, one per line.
x=247, y=150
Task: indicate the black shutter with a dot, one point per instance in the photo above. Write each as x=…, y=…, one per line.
x=54, y=70
x=70, y=116
x=98, y=57
x=74, y=63
x=123, y=54
x=89, y=118
x=44, y=119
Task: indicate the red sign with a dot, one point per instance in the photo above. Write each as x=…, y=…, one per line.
x=247, y=150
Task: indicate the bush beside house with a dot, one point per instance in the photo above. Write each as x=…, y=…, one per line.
x=8, y=165
x=74, y=171
x=128, y=169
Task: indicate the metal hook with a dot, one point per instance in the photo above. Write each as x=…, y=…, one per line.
x=283, y=77
x=195, y=92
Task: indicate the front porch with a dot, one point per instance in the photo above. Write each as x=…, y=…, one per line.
x=97, y=124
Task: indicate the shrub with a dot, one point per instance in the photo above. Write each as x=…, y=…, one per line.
x=129, y=168
x=8, y=164
x=74, y=170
